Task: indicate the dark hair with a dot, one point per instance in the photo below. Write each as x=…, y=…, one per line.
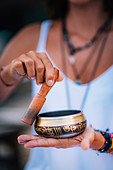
x=108, y=6
x=57, y=9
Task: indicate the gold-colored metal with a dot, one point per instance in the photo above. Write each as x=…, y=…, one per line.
x=63, y=126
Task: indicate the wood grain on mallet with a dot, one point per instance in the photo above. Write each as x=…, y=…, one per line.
x=37, y=102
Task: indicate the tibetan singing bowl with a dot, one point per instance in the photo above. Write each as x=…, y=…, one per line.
x=60, y=124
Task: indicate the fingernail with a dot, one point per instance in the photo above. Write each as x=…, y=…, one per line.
x=50, y=82
x=32, y=78
x=22, y=142
x=23, y=74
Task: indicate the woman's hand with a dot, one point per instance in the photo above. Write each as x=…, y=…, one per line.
x=88, y=139
x=31, y=65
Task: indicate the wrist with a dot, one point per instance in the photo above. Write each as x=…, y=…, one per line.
x=107, y=146
x=98, y=141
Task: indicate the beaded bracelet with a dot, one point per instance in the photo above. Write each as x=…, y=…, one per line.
x=7, y=85
x=108, y=144
x=111, y=148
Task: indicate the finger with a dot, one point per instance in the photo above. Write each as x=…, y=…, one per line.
x=39, y=72
x=25, y=138
x=74, y=142
x=43, y=142
x=49, y=69
x=20, y=70
x=39, y=67
x=17, y=68
x=50, y=142
x=29, y=65
x=38, y=143
x=87, y=139
x=60, y=78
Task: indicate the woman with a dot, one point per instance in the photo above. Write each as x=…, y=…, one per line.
x=80, y=45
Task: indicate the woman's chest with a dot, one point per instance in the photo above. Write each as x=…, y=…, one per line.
x=88, y=64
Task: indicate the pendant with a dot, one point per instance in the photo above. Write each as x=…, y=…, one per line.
x=78, y=82
x=72, y=59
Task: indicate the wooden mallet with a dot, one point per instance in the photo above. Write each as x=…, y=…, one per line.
x=37, y=102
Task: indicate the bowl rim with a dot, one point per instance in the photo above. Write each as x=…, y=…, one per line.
x=39, y=116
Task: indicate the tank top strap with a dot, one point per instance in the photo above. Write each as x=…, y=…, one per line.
x=43, y=35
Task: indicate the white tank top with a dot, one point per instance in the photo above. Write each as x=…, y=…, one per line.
x=98, y=111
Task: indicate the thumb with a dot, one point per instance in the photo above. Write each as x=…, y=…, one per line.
x=87, y=139
x=85, y=144
x=60, y=78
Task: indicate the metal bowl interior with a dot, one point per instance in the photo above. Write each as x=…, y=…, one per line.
x=60, y=124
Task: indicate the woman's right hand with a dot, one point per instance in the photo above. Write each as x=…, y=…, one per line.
x=33, y=66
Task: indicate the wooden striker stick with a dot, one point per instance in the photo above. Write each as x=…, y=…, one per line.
x=37, y=102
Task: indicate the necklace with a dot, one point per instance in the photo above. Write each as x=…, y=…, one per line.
x=92, y=75
x=73, y=50
x=77, y=75
x=88, y=44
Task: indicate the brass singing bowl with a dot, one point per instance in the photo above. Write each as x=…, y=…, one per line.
x=60, y=124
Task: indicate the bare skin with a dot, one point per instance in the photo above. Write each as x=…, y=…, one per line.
x=21, y=53
x=88, y=139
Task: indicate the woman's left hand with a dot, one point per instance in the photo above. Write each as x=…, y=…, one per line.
x=88, y=139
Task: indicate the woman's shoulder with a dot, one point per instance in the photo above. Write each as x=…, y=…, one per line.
x=29, y=34
x=33, y=28
x=26, y=39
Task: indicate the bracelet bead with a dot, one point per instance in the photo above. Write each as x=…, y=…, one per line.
x=111, y=148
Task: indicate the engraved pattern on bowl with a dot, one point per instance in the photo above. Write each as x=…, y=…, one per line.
x=60, y=124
